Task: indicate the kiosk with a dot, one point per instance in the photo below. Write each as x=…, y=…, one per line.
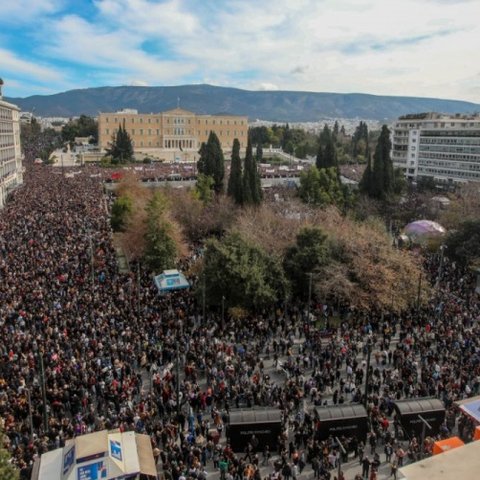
x=265, y=424
x=348, y=420
x=408, y=411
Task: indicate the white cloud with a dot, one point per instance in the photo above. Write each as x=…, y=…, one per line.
x=266, y=86
x=24, y=11
x=139, y=83
x=13, y=65
x=75, y=39
x=424, y=48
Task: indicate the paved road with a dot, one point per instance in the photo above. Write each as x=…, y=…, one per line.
x=350, y=469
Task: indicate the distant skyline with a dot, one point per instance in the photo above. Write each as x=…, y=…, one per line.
x=426, y=48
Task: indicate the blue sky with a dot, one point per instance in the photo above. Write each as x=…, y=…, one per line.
x=390, y=47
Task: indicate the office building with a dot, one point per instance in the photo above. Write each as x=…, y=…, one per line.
x=11, y=170
x=443, y=147
x=174, y=135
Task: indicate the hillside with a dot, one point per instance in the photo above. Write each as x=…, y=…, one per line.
x=280, y=106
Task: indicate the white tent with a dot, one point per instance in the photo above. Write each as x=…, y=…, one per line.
x=99, y=456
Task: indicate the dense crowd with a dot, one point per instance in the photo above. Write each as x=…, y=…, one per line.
x=105, y=346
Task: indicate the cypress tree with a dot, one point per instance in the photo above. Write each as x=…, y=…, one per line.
x=259, y=153
x=382, y=177
x=327, y=153
x=212, y=162
x=121, y=148
x=252, y=188
x=235, y=187
x=247, y=171
x=366, y=181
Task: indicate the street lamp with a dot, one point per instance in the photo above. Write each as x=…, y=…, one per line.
x=367, y=375
x=422, y=446
x=310, y=275
x=223, y=312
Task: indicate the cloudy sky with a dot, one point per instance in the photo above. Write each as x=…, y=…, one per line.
x=392, y=47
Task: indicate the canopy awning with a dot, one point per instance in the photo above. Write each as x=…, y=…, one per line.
x=145, y=455
x=471, y=407
x=171, y=280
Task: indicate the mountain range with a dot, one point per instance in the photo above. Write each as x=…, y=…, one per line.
x=278, y=106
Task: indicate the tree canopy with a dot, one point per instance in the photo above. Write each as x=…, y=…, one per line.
x=121, y=148
x=243, y=273
x=235, y=181
x=321, y=187
x=309, y=253
x=463, y=244
x=212, y=162
x=160, y=248
x=327, y=153
x=252, y=188
x=379, y=180
x=83, y=126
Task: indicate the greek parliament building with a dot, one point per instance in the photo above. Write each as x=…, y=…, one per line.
x=11, y=174
x=444, y=147
x=174, y=135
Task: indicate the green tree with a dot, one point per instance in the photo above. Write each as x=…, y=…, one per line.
x=83, y=126
x=212, y=162
x=204, y=187
x=121, y=209
x=7, y=470
x=243, y=273
x=121, y=148
x=360, y=140
x=259, y=153
x=327, y=153
x=366, y=183
x=383, y=179
x=235, y=181
x=160, y=248
x=379, y=181
x=252, y=188
x=321, y=187
x=463, y=244
x=309, y=253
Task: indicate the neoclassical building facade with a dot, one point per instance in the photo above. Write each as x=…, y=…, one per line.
x=174, y=135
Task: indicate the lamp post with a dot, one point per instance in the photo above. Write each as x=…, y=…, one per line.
x=204, y=287
x=422, y=446
x=419, y=291
x=30, y=419
x=367, y=375
x=223, y=312
x=44, y=392
x=310, y=275
x=342, y=448
x=138, y=289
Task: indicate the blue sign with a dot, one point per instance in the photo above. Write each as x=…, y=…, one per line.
x=68, y=460
x=94, y=471
x=116, y=450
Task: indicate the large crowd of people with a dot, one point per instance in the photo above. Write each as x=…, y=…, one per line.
x=85, y=348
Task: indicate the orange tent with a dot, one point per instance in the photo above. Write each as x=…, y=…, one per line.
x=477, y=433
x=445, y=445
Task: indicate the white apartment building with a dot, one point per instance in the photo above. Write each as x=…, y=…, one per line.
x=445, y=147
x=11, y=171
